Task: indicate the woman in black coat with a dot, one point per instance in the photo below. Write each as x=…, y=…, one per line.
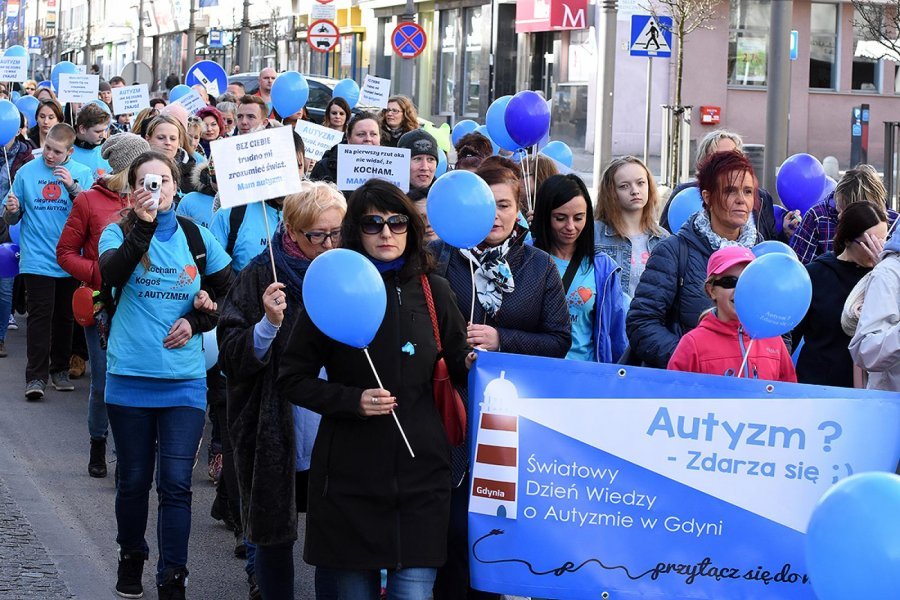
x=272, y=442
x=371, y=505
x=524, y=313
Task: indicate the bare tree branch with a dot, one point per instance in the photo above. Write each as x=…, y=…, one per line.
x=880, y=22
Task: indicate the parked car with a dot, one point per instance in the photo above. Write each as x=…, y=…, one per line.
x=320, y=89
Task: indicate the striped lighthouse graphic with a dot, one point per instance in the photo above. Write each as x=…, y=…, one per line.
x=496, y=469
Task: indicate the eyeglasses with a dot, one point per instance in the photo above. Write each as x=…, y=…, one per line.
x=729, y=282
x=319, y=237
x=393, y=111
x=29, y=89
x=373, y=224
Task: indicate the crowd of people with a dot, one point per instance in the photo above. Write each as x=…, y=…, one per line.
x=127, y=259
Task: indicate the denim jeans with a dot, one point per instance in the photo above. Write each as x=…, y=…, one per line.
x=166, y=438
x=6, y=294
x=98, y=422
x=413, y=583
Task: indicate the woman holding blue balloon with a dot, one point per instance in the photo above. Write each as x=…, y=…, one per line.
x=563, y=228
x=626, y=226
x=371, y=505
x=671, y=296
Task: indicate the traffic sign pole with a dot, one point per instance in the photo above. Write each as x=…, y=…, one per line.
x=647, y=115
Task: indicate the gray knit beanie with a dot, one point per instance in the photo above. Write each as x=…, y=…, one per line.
x=419, y=141
x=121, y=149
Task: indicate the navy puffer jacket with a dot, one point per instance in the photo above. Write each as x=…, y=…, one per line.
x=670, y=297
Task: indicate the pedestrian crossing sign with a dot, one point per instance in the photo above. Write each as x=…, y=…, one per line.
x=651, y=36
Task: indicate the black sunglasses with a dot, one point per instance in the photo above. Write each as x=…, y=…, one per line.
x=373, y=224
x=319, y=237
x=729, y=282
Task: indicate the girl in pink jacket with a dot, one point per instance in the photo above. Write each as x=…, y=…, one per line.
x=718, y=344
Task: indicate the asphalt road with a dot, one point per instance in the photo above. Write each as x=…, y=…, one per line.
x=54, y=509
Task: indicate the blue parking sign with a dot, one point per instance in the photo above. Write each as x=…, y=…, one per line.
x=34, y=42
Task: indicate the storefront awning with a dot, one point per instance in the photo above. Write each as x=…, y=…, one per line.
x=551, y=15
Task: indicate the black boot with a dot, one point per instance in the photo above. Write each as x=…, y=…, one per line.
x=131, y=568
x=97, y=462
x=221, y=511
x=173, y=583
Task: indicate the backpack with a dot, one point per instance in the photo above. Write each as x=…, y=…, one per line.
x=235, y=218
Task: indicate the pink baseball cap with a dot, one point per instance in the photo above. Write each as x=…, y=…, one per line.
x=725, y=258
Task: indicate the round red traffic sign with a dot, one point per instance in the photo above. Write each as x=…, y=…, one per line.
x=408, y=39
x=324, y=1
x=322, y=35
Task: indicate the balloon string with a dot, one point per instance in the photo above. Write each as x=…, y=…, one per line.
x=472, y=271
x=396, y=420
x=534, y=186
x=6, y=157
x=269, y=241
x=523, y=163
x=746, y=357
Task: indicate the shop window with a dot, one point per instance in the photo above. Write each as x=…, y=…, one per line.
x=748, y=42
x=582, y=64
x=867, y=54
x=823, y=46
x=474, y=63
x=449, y=62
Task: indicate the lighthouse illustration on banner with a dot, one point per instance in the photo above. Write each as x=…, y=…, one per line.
x=496, y=468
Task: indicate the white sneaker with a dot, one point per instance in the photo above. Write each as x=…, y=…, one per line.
x=12, y=323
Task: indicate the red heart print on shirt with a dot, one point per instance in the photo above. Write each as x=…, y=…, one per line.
x=191, y=270
x=585, y=294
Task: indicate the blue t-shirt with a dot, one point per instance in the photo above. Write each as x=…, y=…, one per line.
x=45, y=205
x=251, y=237
x=152, y=301
x=92, y=160
x=197, y=207
x=580, y=301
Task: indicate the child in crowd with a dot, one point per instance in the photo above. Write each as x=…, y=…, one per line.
x=718, y=344
x=91, y=130
x=41, y=199
x=195, y=130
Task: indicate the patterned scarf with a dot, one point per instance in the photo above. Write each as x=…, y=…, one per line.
x=703, y=226
x=493, y=277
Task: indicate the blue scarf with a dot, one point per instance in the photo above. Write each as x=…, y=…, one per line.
x=291, y=269
x=166, y=223
x=383, y=267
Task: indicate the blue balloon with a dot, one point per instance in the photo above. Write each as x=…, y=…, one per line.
x=9, y=260
x=345, y=297
x=462, y=128
x=482, y=129
x=27, y=105
x=687, y=202
x=544, y=141
x=527, y=118
x=560, y=152
x=210, y=349
x=289, y=93
x=772, y=295
x=853, y=539
x=773, y=246
x=14, y=233
x=9, y=121
x=830, y=184
x=46, y=83
x=14, y=96
x=461, y=209
x=178, y=91
x=16, y=50
x=800, y=182
x=61, y=68
x=780, y=212
x=441, y=165
x=495, y=121
x=348, y=90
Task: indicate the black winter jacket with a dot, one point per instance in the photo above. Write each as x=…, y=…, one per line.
x=326, y=167
x=371, y=505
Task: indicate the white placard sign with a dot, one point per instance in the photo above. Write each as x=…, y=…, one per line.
x=131, y=99
x=317, y=140
x=322, y=11
x=256, y=166
x=375, y=92
x=75, y=87
x=358, y=164
x=192, y=102
x=82, y=69
x=13, y=68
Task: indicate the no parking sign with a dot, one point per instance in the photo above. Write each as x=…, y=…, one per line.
x=409, y=39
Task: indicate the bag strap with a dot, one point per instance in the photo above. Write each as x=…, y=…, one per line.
x=429, y=300
x=569, y=275
x=196, y=245
x=234, y=224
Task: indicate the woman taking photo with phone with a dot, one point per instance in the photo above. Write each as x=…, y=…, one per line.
x=156, y=376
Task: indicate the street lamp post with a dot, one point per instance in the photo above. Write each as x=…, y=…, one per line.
x=139, y=51
x=244, y=42
x=406, y=69
x=192, y=38
x=87, y=36
x=779, y=82
x=606, y=72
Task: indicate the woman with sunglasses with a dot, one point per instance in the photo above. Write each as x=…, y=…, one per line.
x=398, y=118
x=718, y=344
x=29, y=87
x=858, y=243
x=228, y=110
x=254, y=328
x=670, y=297
x=372, y=506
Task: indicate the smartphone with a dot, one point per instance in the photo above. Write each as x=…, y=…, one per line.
x=152, y=183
